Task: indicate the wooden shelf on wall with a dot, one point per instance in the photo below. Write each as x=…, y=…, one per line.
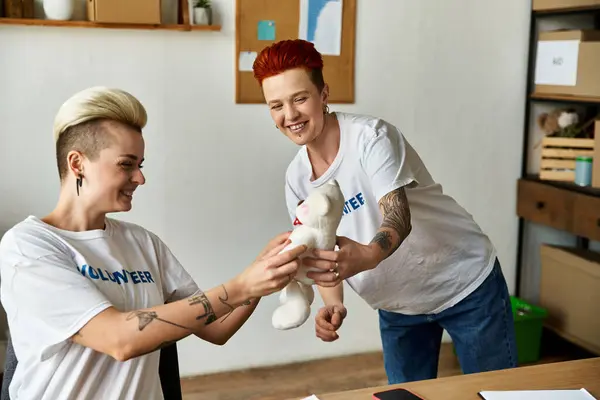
x=567, y=10
x=587, y=190
x=564, y=98
x=88, y=24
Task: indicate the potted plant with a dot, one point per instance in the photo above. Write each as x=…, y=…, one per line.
x=202, y=12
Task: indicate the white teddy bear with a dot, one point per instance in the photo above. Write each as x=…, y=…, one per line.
x=317, y=220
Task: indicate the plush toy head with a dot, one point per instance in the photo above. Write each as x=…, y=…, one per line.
x=317, y=220
x=322, y=209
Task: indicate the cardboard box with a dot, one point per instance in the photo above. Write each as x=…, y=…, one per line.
x=125, y=11
x=596, y=156
x=567, y=63
x=570, y=292
x=547, y=5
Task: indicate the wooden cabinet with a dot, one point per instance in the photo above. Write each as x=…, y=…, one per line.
x=570, y=291
x=560, y=207
x=586, y=216
x=544, y=204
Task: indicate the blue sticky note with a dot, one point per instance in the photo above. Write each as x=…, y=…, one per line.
x=266, y=30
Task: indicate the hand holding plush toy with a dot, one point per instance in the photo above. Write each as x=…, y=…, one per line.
x=317, y=220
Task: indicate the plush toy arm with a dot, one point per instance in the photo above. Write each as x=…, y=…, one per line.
x=301, y=236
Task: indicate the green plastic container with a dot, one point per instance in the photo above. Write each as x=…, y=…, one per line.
x=529, y=322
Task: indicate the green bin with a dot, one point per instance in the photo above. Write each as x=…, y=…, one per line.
x=529, y=322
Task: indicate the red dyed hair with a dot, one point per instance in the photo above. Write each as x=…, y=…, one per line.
x=289, y=54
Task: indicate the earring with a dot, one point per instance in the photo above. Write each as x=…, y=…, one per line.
x=326, y=109
x=79, y=183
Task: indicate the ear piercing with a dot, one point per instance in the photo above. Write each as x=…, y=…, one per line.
x=79, y=183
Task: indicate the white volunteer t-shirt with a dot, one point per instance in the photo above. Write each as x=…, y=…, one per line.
x=54, y=281
x=445, y=257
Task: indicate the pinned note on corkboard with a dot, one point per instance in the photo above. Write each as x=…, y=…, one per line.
x=329, y=24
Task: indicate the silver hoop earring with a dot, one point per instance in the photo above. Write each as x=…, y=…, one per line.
x=326, y=109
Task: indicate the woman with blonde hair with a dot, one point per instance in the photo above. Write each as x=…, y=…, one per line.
x=90, y=299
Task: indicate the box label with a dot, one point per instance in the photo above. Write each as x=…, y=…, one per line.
x=556, y=62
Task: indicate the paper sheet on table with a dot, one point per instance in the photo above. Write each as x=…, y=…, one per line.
x=311, y=397
x=321, y=24
x=581, y=394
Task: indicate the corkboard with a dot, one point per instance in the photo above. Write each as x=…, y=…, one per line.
x=338, y=70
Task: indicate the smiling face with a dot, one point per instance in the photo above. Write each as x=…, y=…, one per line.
x=296, y=104
x=114, y=174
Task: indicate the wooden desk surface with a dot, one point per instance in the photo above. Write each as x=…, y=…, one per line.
x=563, y=375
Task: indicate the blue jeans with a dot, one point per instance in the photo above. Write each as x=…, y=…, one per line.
x=481, y=327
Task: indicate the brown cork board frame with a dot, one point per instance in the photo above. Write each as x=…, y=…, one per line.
x=338, y=71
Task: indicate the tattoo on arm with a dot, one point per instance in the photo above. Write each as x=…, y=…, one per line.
x=224, y=301
x=396, y=217
x=384, y=240
x=146, y=317
x=231, y=308
x=209, y=313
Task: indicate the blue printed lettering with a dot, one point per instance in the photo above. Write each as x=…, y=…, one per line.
x=92, y=273
x=360, y=199
x=102, y=275
x=148, y=276
x=117, y=277
x=354, y=203
x=121, y=277
x=134, y=277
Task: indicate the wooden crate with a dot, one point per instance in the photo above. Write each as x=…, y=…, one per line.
x=558, y=157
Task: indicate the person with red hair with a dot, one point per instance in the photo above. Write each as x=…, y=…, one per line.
x=407, y=248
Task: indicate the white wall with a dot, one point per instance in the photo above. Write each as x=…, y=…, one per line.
x=451, y=75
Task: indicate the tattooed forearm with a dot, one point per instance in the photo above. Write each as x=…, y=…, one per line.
x=396, y=219
x=384, y=240
x=225, y=303
x=146, y=317
x=209, y=313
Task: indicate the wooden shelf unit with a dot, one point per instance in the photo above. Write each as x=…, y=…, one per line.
x=88, y=24
x=566, y=10
x=570, y=187
x=560, y=205
x=558, y=98
x=565, y=98
x=183, y=24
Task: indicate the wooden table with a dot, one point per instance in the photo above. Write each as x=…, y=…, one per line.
x=562, y=375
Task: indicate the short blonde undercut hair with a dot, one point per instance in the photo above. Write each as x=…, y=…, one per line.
x=79, y=123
